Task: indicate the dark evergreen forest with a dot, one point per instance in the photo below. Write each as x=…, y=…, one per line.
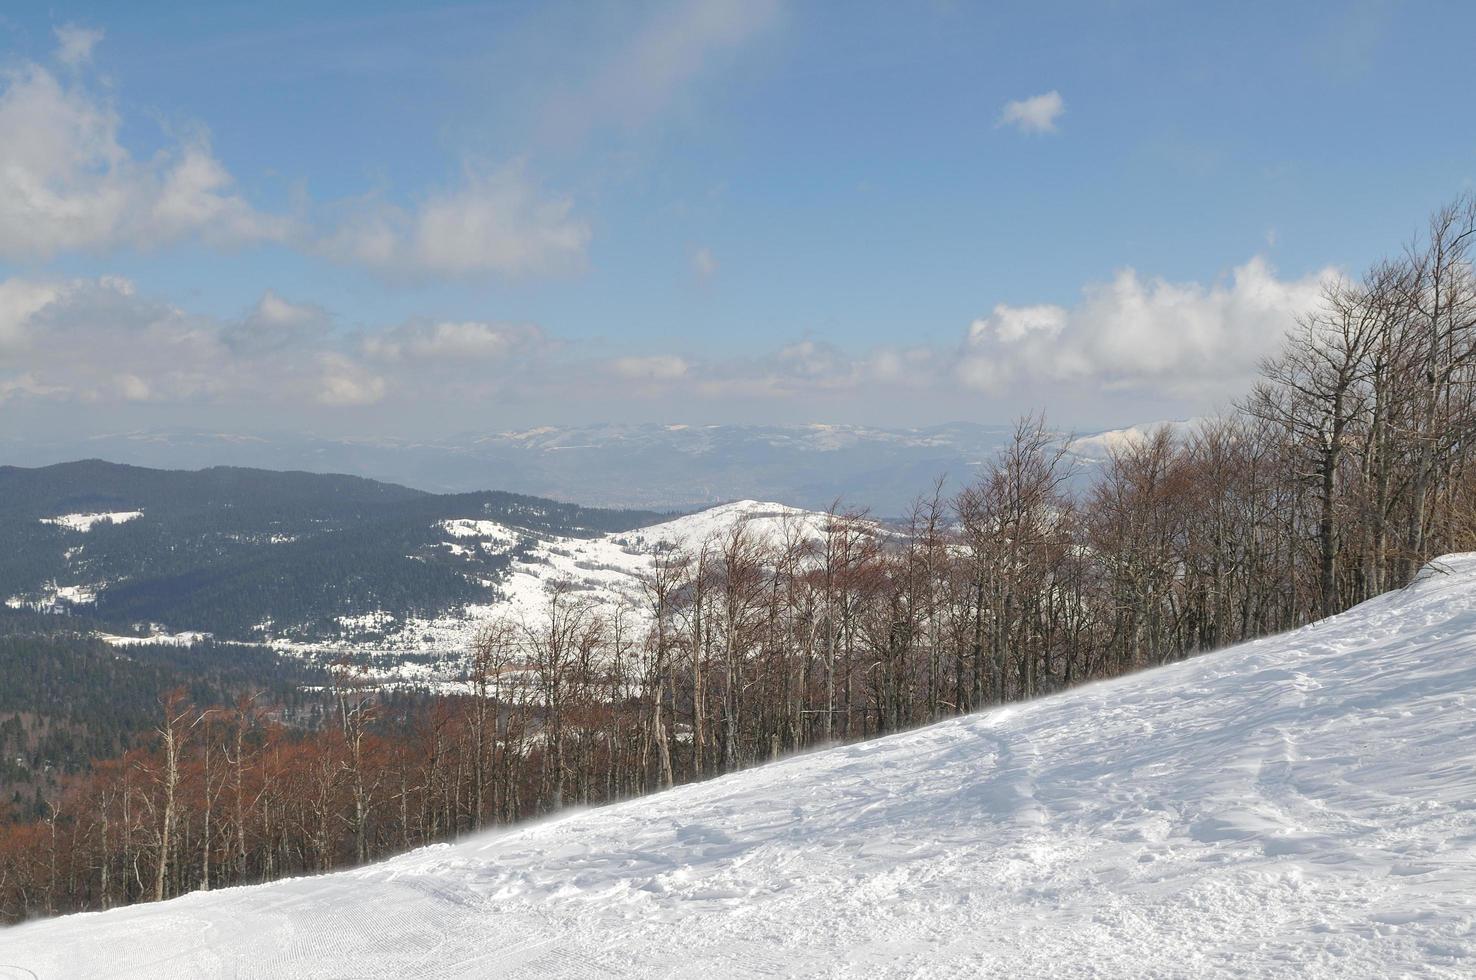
x=224, y=550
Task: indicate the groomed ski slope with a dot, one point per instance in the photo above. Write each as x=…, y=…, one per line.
x=1303, y=806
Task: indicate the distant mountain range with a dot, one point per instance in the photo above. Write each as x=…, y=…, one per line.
x=661, y=467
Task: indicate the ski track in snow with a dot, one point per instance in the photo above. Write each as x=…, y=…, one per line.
x=1301, y=806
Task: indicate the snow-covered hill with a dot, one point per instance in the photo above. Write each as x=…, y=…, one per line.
x=1304, y=806
x=605, y=569
x=609, y=567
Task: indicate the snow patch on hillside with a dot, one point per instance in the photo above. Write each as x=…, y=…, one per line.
x=86, y=522
x=608, y=568
x=431, y=652
x=1299, y=806
x=57, y=598
x=491, y=536
x=1100, y=446
x=188, y=638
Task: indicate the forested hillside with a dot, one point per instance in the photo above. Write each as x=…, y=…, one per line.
x=242, y=553
x=68, y=699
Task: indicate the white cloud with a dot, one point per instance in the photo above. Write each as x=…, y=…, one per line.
x=447, y=340
x=1132, y=332
x=95, y=341
x=74, y=44
x=704, y=264
x=19, y=301
x=1132, y=340
x=25, y=385
x=500, y=223
x=657, y=64
x=809, y=369
x=1037, y=114
x=133, y=388
x=913, y=367
x=67, y=183
x=276, y=324
x=347, y=383
x=195, y=196
x=1009, y=324
x=659, y=367
x=275, y=310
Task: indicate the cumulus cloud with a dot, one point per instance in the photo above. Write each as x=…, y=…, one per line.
x=275, y=323
x=74, y=44
x=656, y=64
x=659, y=367
x=808, y=369
x=19, y=301
x=1037, y=114
x=96, y=341
x=66, y=182
x=500, y=223
x=1135, y=332
x=347, y=383
x=468, y=340
x=25, y=385
x=704, y=264
x=1132, y=340
x=274, y=310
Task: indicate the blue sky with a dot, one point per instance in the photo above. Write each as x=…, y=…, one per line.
x=371, y=216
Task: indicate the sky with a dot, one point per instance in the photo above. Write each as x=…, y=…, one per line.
x=410, y=220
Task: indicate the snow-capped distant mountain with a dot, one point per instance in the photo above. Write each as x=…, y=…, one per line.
x=1297, y=806
x=1097, y=447
x=658, y=467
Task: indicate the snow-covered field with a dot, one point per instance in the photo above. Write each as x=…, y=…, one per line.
x=606, y=569
x=86, y=522
x=1303, y=806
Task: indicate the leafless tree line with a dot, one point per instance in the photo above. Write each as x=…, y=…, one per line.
x=1341, y=473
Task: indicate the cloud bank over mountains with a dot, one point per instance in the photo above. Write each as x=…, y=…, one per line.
x=92, y=342
x=1131, y=332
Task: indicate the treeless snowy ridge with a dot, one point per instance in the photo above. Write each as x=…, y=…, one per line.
x=86, y=522
x=1303, y=806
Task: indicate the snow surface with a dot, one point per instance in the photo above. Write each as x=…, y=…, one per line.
x=492, y=536
x=86, y=522
x=1100, y=446
x=186, y=639
x=54, y=597
x=606, y=569
x=1302, y=806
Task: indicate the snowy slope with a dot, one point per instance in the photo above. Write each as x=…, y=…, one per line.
x=86, y=522
x=606, y=569
x=1304, y=806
